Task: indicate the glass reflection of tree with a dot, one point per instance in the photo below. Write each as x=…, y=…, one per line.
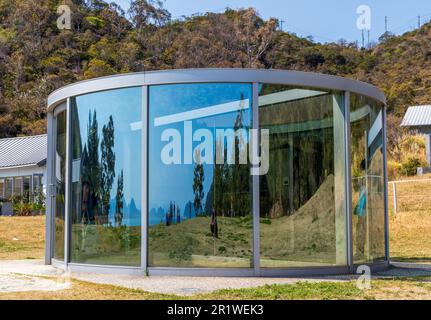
x=119, y=200
x=108, y=168
x=229, y=192
x=98, y=177
x=91, y=171
x=198, y=184
x=173, y=215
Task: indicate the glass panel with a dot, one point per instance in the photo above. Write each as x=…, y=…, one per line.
x=26, y=184
x=8, y=188
x=37, y=183
x=367, y=180
x=106, y=178
x=199, y=209
x=1, y=189
x=17, y=187
x=302, y=197
x=60, y=176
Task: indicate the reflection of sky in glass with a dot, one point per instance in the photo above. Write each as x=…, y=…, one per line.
x=125, y=107
x=175, y=182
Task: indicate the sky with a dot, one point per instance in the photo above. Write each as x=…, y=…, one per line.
x=325, y=21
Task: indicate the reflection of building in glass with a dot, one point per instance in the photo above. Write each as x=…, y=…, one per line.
x=159, y=180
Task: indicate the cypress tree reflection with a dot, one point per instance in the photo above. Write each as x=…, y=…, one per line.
x=105, y=217
x=215, y=228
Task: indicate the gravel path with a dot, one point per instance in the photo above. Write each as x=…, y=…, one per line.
x=181, y=285
x=25, y=275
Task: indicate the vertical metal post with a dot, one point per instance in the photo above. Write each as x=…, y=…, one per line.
x=349, y=216
x=144, y=181
x=340, y=142
x=385, y=171
x=68, y=185
x=49, y=182
x=256, y=189
x=368, y=193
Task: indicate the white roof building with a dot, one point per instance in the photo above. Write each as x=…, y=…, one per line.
x=22, y=166
x=419, y=118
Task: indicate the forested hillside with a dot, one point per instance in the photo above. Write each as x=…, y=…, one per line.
x=36, y=57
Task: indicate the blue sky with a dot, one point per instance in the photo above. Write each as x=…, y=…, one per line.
x=326, y=21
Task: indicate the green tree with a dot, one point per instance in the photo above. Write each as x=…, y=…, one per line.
x=107, y=165
x=91, y=172
x=198, y=185
x=119, y=204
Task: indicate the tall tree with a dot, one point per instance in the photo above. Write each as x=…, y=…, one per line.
x=198, y=184
x=107, y=165
x=93, y=164
x=119, y=204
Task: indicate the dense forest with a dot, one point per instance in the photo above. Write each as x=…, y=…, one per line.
x=36, y=57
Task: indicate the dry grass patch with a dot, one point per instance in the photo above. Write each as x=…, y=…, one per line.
x=410, y=236
x=81, y=290
x=382, y=289
x=22, y=238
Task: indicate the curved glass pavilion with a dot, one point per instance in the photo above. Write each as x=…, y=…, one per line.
x=220, y=172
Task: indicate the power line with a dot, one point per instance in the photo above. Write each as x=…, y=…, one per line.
x=305, y=32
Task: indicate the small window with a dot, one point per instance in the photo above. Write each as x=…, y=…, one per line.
x=17, y=186
x=1, y=189
x=8, y=188
x=26, y=188
x=37, y=183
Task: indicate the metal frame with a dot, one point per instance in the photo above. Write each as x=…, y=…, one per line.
x=50, y=187
x=385, y=168
x=68, y=184
x=294, y=78
x=348, y=178
x=144, y=181
x=256, y=189
x=252, y=76
x=49, y=206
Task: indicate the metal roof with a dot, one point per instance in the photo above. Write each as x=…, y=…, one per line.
x=23, y=151
x=417, y=116
x=214, y=75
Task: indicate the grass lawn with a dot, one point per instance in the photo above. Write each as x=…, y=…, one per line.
x=22, y=238
x=410, y=288
x=410, y=236
x=410, y=240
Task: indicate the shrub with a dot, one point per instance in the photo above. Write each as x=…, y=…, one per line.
x=23, y=209
x=24, y=205
x=409, y=167
x=394, y=170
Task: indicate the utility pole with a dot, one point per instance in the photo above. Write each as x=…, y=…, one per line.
x=363, y=39
x=281, y=24
x=386, y=24
x=419, y=22
x=368, y=39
